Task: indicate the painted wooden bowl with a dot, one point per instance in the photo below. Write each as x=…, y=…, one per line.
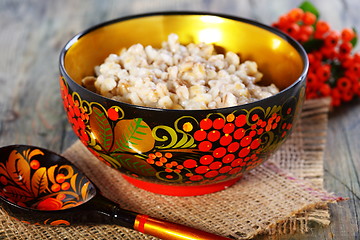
x=184, y=152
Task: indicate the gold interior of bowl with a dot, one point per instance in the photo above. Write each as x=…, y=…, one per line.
x=280, y=62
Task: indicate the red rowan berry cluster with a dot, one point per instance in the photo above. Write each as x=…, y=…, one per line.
x=334, y=71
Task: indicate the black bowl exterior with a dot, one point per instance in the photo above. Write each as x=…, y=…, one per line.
x=178, y=146
x=182, y=147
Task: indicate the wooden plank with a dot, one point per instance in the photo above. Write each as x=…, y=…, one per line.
x=342, y=168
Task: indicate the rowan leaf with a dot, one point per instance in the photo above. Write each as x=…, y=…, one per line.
x=17, y=194
x=133, y=136
x=19, y=170
x=39, y=181
x=355, y=39
x=134, y=164
x=101, y=128
x=307, y=6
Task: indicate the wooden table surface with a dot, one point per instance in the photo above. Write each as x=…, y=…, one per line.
x=32, y=34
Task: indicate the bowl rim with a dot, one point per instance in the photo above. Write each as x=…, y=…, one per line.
x=295, y=44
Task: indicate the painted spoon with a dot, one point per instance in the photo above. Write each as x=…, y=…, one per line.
x=38, y=186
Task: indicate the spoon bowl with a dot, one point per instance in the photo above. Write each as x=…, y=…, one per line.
x=38, y=186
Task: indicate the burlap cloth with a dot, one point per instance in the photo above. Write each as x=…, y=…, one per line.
x=281, y=196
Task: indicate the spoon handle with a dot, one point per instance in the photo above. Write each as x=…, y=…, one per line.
x=168, y=230
x=111, y=212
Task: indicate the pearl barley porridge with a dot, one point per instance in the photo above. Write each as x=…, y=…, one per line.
x=178, y=77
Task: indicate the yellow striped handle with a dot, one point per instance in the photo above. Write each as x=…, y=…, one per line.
x=168, y=230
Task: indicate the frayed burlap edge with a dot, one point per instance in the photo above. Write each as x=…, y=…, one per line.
x=312, y=132
x=299, y=219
